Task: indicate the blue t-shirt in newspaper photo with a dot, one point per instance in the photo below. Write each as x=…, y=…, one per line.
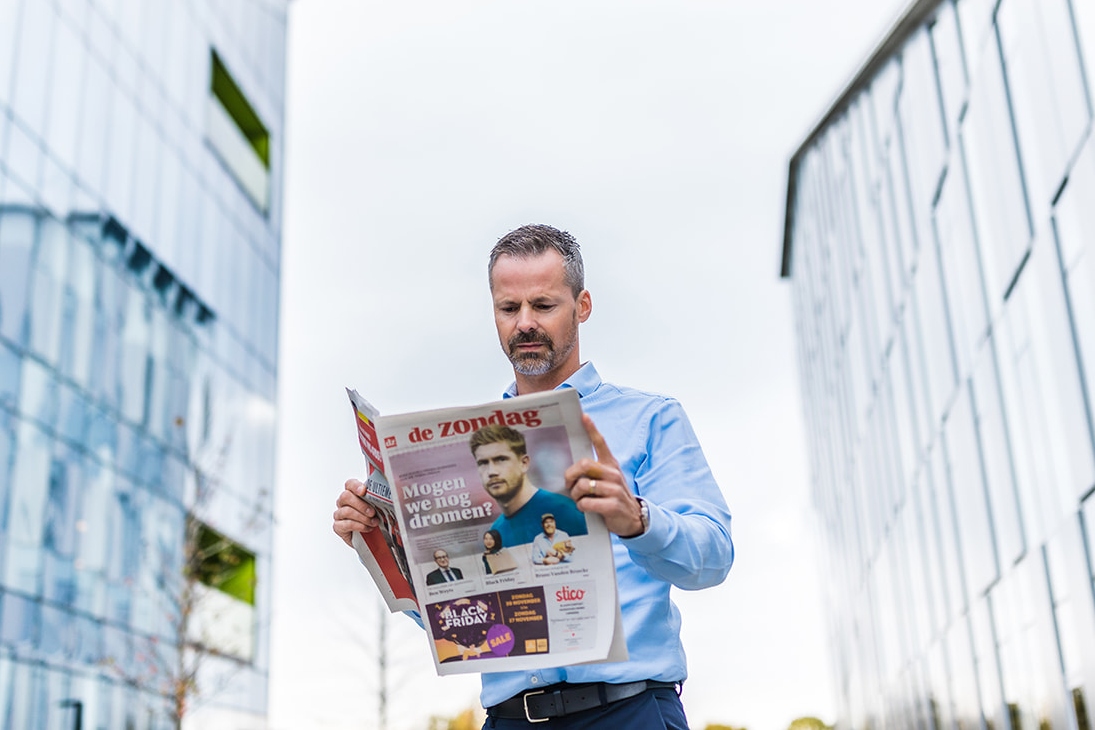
x=524, y=525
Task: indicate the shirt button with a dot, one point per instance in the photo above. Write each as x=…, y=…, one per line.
x=535, y=680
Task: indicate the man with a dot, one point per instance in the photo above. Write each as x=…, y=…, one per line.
x=649, y=482
x=501, y=456
x=443, y=573
x=551, y=546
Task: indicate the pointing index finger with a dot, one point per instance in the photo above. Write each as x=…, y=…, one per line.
x=600, y=446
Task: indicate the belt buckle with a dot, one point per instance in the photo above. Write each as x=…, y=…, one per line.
x=524, y=699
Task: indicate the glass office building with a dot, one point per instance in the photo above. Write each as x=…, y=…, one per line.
x=940, y=247
x=140, y=227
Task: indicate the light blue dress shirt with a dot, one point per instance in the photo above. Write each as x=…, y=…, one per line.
x=688, y=544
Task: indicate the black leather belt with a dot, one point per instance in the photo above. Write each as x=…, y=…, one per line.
x=557, y=700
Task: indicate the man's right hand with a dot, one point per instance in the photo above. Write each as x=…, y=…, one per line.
x=353, y=514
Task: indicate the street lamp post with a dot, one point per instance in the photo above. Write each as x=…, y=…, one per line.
x=78, y=714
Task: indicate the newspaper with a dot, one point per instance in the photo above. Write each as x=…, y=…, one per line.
x=508, y=573
x=381, y=550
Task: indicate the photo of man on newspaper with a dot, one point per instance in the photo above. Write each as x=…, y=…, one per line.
x=552, y=545
x=501, y=456
x=444, y=573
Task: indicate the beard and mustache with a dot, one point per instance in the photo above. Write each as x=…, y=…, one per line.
x=535, y=363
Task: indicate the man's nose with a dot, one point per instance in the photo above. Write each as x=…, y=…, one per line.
x=526, y=319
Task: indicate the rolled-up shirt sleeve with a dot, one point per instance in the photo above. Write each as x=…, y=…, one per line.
x=688, y=542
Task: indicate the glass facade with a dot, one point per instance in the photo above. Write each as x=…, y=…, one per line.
x=940, y=246
x=140, y=235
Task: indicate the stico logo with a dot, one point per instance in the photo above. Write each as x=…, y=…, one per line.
x=389, y=442
x=566, y=593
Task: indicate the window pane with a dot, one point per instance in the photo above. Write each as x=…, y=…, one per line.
x=996, y=453
x=110, y=310
x=24, y=159
x=11, y=367
x=93, y=125
x=19, y=624
x=33, y=63
x=79, y=314
x=950, y=66
x=1040, y=374
x=9, y=24
x=1074, y=228
x=967, y=484
x=947, y=530
x=1027, y=640
x=925, y=528
x=30, y=485
x=1084, y=15
x=16, y=251
x=1047, y=89
x=40, y=396
x=922, y=131
x=996, y=181
x=119, y=163
x=134, y=360
x=929, y=309
x=1068, y=561
x=961, y=266
x=66, y=88
x=987, y=663
x=146, y=180
x=47, y=293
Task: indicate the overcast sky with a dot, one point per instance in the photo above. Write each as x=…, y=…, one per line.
x=657, y=133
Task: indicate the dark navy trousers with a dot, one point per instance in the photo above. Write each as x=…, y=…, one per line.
x=654, y=709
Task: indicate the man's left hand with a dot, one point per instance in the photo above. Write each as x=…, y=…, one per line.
x=599, y=486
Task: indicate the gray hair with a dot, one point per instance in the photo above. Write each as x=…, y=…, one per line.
x=536, y=239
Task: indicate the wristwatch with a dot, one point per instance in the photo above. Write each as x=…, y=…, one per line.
x=644, y=515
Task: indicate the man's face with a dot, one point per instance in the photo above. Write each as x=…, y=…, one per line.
x=536, y=313
x=549, y=527
x=502, y=471
x=441, y=558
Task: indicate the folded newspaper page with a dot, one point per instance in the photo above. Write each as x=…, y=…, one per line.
x=508, y=573
x=381, y=551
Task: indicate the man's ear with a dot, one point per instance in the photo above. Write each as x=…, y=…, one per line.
x=525, y=461
x=585, y=305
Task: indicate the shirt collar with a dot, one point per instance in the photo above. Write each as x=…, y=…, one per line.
x=585, y=380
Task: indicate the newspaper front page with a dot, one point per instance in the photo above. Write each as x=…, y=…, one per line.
x=508, y=573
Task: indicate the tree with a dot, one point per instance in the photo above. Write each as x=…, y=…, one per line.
x=808, y=723
x=468, y=719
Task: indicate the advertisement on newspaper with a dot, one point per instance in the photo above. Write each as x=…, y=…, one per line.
x=509, y=574
x=381, y=550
